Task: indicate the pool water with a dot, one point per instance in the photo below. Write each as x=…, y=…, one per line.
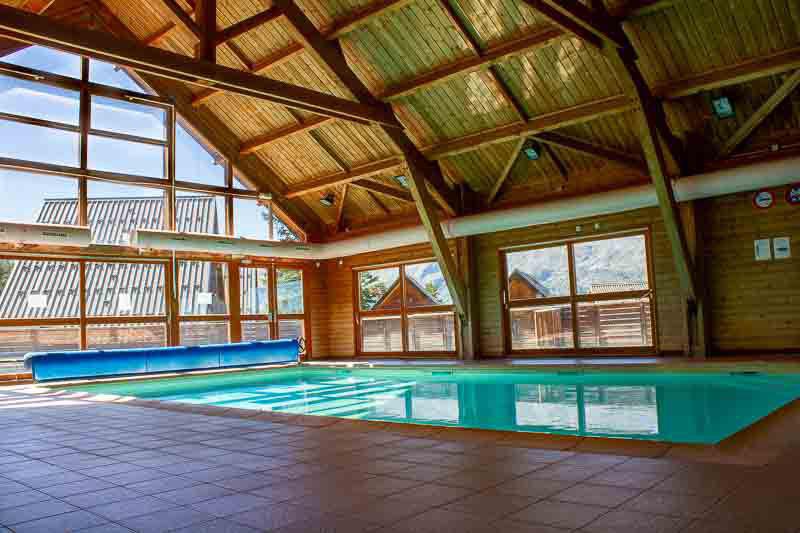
x=673, y=407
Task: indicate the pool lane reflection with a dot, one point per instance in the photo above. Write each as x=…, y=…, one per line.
x=697, y=408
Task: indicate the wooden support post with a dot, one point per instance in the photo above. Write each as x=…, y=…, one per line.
x=430, y=219
x=469, y=325
x=698, y=323
x=495, y=190
x=234, y=302
x=206, y=14
x=340, y=214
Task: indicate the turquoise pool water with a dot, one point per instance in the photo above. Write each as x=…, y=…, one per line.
x=693, y=408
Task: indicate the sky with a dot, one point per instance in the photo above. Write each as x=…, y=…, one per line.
x=24, y=193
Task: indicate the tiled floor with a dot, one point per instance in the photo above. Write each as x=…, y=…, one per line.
x=71, y=465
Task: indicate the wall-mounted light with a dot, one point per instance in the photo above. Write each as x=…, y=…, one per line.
x=722, y=107
x=402, y=181
x=531, y=149
x=329, y=200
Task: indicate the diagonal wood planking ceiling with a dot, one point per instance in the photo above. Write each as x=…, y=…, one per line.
x=468, y=79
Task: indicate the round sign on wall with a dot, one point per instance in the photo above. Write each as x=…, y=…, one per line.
x=793, y=194
x=763, y=199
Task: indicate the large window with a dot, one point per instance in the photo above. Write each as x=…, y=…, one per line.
x=404, y=309
x=203, y=298
x=580, y=295
x=115, y=211
x=29, y=197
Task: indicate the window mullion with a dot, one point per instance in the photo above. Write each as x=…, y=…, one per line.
x=573, y=291
x=403, y=310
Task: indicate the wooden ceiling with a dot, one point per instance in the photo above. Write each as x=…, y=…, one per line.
x=469, y=80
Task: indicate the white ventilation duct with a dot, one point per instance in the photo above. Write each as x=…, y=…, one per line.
x=718, y=183
x=50, y=234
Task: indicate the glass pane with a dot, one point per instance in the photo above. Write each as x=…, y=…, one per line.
x=125, y=289
x=17, y=341
x=118, y=336
x=125, y=157
x=250, y=219
x=379, y=289
x=198, y=212
x=611, y=265
x=540, y=273
x=432, y=332
x=621, y=410
x=291, y=329
x=255, y=330
x=254, y=284
x=46, y=59
x=112, y=75
x=194, y=163
x=425, y=285
x=37, y=100
x=203, y=288
x=29, y=197
x=39, y=144
x=381, y=334
x=281, y=232
x=39, y=289
x=115, y=211
x=202, y=333
x=544, y=326
x=121, y=116
x=547, y=407
x=290, y=291
x=615, y=323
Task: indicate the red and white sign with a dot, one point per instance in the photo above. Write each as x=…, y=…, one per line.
x=763, y=199
x=793, y=194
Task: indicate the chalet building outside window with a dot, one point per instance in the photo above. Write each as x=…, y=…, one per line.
x=405, y=308
x=591, y=294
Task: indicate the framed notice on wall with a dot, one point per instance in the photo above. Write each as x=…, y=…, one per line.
x=793, y=194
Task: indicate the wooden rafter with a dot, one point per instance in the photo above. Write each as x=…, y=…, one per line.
x=302, y=127
x=565, y=22
x=393, y=192
x=433, y=226
x=749, y=70
x=340, y=214
x=753, y=121
x=546, y=122
x=348, y=176
x=498, y=184
x=489, y=57
x=592, y=149
x=560, y=166
x=37, y=29
x=594, y=21
x=34, y=6
x=159, y=35
x=261, y=67
x=375, y=198
x=331, y=56
x=641, y=8
x=248, y=24
x=184, y=18
x=365, y=16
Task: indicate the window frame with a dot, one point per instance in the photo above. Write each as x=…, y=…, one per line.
x=404, y=312
x=573, y=299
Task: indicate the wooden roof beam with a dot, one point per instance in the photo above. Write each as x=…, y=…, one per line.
x=589, y=148
x=595, y=21
x=748, y=70
x=349, y=176
x=184, y=18
x=365, y=16
x=486, y=59
x=206, y=15
x=753, y=121
x=248, y=24
x=549, y=121
x=37, y=29
x=159, y=35
x=506, y=172
x=393, y=192
x=566, y=21
x=265, y=140
x=266, y=64
x=331, y=56
x=340, y=214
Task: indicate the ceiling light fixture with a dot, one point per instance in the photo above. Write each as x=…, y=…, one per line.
x=328, y=200
x=402, y=181
x=531, y=149
x=722, y=107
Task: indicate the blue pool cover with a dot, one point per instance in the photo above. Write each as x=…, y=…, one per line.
x=96, y=363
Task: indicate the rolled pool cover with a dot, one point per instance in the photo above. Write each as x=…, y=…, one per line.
x=132, y=361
